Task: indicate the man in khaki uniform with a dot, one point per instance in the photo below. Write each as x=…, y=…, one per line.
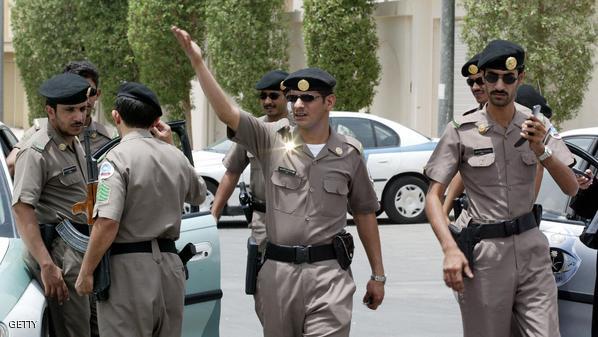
x=143, y=184
x=311, y=174
x=510, y=288
x=50, y=177
x=99, y=135
x=274, y=106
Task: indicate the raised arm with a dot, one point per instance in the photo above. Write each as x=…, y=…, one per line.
x=227, y=112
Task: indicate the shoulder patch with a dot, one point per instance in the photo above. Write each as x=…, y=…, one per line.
x=106, y=170
x=103, y=193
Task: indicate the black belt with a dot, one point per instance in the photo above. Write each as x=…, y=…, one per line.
x=299, y=254
x=505, y=228
x=165, y=245
x=259, y=206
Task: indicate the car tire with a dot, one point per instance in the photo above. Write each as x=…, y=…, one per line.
x=405, y=199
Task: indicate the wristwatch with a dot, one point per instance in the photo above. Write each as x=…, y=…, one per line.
x=378, y=278
x=547, y=153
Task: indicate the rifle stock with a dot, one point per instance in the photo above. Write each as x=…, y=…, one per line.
x=87, y=205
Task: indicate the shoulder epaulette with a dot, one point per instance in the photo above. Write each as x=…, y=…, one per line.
x=352, y=142
x=470, y=111
x=39, y=123
x=468, y=117
x=102, y=130
x=39, y=141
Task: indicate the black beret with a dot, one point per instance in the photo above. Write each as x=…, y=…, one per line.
x=139, y=92
x=310, y=79
x=471, y=66
x=502, y=55
x=65, y=89
x=528, y=96
x=271, y=80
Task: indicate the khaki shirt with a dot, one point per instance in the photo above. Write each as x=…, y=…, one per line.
x=50, y=176
x=143, y=183
x=307, y=197
x=237, y=158
x=99, y=134
x=498, y=177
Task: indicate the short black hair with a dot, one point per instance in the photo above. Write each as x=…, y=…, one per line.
x=85, y=69
x=51, y=103
x=136, y=114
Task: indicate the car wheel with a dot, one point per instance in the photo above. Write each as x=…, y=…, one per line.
x=405, y=199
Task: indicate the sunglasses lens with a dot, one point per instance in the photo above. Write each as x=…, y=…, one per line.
x=470, y=82
x=307, y=97
x=491, y=77
x=93, y=92
x=273, y=95
x=292, y=98
x=479, y=81
x=509, y=78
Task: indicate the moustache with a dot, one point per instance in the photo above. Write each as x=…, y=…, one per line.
x=77, y=125
x=498, y=92
x=269, y=106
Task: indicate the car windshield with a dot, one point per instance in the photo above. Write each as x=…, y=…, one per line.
x=6, y=220
x=220, y=146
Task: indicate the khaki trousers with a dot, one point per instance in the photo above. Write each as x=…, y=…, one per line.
x=513, y=292
x=305, y=300
x=147, y=294
x=72, y=318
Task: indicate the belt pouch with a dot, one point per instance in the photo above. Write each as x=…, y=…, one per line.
x=253, y=266
x=343, y=248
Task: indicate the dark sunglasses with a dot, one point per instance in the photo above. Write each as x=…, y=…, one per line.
x=303, y=97
x=273, y=95
x=478, y=81
x=509, y=78
x=92, y=92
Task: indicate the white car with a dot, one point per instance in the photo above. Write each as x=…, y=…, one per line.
x=395, y=158
x=573, y=264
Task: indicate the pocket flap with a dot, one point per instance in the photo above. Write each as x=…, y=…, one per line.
x=481, y=161
x=336, y=186
x=285, y=180
x=71, y=178
x=529, y=158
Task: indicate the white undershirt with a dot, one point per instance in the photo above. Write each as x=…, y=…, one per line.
x=315, y=148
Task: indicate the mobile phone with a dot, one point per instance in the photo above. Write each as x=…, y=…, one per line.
x=580, y=173
x=536, y=110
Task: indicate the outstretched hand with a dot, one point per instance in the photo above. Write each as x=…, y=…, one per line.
x=189, y=46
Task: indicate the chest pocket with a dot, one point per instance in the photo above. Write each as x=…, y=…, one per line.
x=334, y=201
x=526, y=170
x=483, y=169
x=70, y=178
x=287, y=192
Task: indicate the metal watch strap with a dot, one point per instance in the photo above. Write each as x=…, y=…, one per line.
x=378, y=278
x=547, y=153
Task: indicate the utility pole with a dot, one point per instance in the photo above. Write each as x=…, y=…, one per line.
x=447, y=61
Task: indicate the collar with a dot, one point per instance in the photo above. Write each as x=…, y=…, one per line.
x=57, y=138
x=136, y=133
x=99, y=128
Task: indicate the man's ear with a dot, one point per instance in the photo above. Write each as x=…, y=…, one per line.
x=50, y=111
x=330, y=100
x=521, y=77
x=116, y=117
x=99, y=93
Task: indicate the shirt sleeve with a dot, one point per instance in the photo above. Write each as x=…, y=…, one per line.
x=253, y=134
x=444, y=162
x=558, y=147
x=196, y=194
x=362, y=197
x=236, y=159
x=111, y=191
x=30, y=177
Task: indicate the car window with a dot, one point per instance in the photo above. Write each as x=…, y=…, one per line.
x=586, y=143
x=220, y=146
x=385, y=136
x=359, y=128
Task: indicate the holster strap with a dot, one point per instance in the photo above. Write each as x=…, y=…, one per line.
x=166, y=246
x=299, y=254
x=505, y=228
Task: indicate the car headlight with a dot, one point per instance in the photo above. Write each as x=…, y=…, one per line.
x=564, y=265
x=3, y=330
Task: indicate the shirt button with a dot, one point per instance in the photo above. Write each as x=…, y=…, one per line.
x=311, y=189
x=307, y=219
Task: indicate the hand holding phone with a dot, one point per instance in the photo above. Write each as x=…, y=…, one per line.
x=536, y=111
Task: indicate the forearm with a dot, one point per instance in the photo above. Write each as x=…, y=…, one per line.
x=437, y=218
x=28, y=228
x=562, y=174
x=225, y=190
x=455, y=189
x=539, y=175
x=227, y=112
x=367, y=228
x=102, y=235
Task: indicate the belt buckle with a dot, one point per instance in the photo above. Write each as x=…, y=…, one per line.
x=510, y=228
x=302, y=254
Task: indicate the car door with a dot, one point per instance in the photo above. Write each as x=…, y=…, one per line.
x=573, y=264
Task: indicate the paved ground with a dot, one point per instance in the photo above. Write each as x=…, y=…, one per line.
x=417, y=303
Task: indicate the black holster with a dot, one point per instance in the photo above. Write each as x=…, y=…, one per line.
x=254, y=264
x=185, y=255
x=48, y=233
x=466, y=240
x=459, y=204
x=246, y=203
x=101, y=279
x=344, y=247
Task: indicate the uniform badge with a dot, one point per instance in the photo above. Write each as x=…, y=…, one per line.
x=282, y=87
x=554, y=133
x=103, y=193
x=94, y=134
x=511, y=63
x=303, y=85
x=483, y=128
x=106, y=170
x=473, y=69
x=287, y=171
x=62, y=147
x=338, y=151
